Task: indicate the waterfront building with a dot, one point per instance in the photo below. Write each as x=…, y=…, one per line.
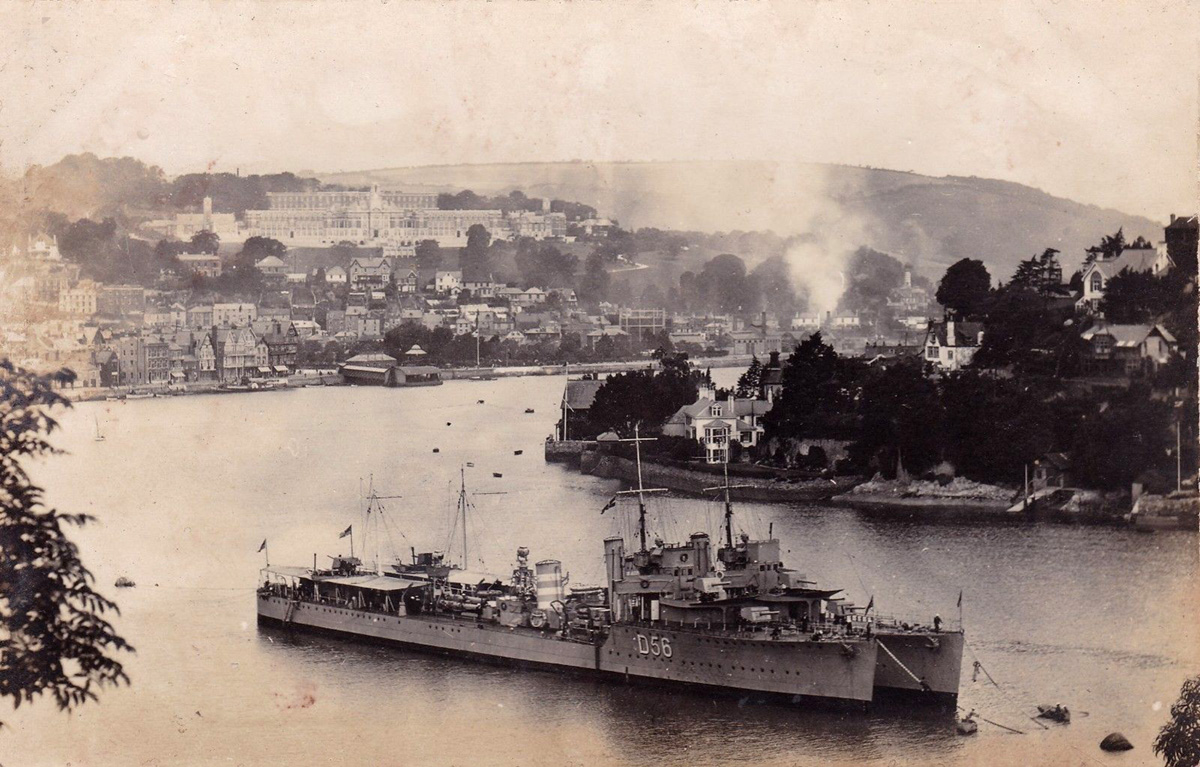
x=131, y=360
x=157, y=364
x=577, y=399
x=235, y=352
x=951, y=345
x=714, y=423
x=206, y=359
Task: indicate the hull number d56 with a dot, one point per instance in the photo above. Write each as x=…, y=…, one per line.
x=655, y=645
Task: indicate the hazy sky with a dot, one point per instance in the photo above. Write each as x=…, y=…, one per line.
x=1096, y=102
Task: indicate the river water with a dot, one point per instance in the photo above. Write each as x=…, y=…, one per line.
x=187, y=488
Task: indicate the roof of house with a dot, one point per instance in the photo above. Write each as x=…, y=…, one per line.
x=1133, y=259
x=1183, y=222
x=1127, y=336
x=580, y=394
x=271, y=261
x=965, y=333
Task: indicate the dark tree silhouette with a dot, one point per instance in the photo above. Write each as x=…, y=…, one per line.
x=1178, y=742
x=53, y=638
x=964, y=288
x=428, y=254
x=748, y=382
x=475, y=262
x=205, y=242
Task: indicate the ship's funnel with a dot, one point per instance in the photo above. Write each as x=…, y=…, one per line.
x=549, y=583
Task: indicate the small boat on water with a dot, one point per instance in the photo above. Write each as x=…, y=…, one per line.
x=967, y=725
x=124, y=583
x=497, y=475
x=518, y=452
x=529, y=410
x=480, y=402
x=1056, y=713
x=144, y=395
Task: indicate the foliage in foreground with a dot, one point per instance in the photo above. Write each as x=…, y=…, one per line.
x=1178, y=742
x=53, y=638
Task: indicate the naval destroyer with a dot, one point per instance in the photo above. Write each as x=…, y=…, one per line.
x=730, y=621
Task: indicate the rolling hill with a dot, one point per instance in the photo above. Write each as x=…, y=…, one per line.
x=927, y=221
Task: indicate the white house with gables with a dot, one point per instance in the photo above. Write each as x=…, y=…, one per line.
x=951, y=345
x=715, y=422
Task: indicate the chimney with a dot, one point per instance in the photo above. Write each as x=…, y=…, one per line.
x=907, y=277
x=950, y=331
x=1172, y=218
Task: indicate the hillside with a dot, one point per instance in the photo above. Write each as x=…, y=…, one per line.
x=927, y=221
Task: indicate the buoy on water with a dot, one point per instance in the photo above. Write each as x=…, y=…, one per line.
x=436, y=450
x=1115, y=741
x=447, y=423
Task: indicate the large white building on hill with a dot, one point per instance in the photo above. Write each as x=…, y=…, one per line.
x=394, y=220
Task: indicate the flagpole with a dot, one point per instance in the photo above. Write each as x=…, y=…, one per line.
x=267, y=552
x=960, y=613
x=352, y=542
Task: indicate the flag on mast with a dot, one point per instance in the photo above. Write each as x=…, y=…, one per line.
x=346, y=531
x=870, y=604
x=611, y=502
x=262, y=546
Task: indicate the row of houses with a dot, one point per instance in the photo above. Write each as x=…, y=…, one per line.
x=217, y=355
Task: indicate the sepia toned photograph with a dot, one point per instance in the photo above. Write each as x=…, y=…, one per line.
x=544, y=383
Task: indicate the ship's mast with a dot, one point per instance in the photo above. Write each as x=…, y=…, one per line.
x=725, y=488
x=641, y=489
x=462, y=506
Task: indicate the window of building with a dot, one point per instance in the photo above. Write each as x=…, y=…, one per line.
x=1097, y=282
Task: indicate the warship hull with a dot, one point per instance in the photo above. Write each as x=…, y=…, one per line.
x=935, y=657
x=834, y=673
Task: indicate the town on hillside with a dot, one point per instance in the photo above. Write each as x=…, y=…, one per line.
x=261, y=285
